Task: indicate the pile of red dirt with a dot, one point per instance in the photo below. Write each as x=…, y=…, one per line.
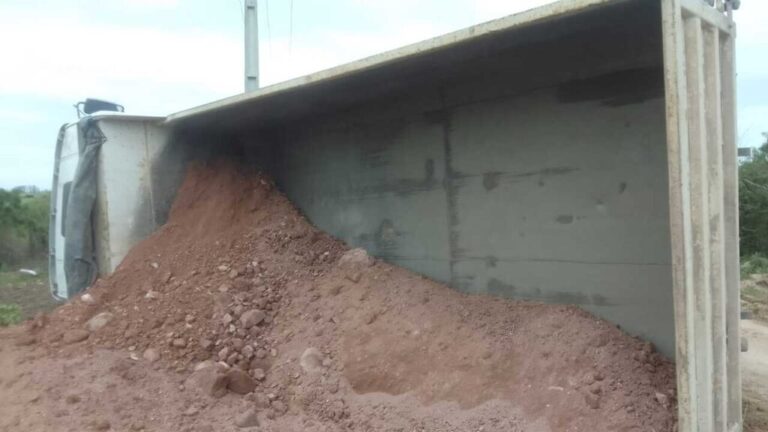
x=239, y=294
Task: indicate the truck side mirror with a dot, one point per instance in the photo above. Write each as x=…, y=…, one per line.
x=90, y=106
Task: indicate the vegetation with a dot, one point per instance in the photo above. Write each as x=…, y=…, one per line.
x=753, y=205
x=9, y=314
x=754, y=264
x=23, y=225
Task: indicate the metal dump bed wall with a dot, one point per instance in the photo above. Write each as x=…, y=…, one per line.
x=583, y=152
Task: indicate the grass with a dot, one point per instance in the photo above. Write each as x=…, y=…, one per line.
x=10, y=314
x=22, y=296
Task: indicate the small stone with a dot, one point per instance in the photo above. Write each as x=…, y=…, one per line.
x=237, y=344
x=205, y=343
x=179, y=343
x=72, y=399
x=224, y=288
x=261, y=401
x=280, y=407
x=258, y=374
x=238, y=381
x=356, y=257
x=189, y=318
x=191, y=411
x=252, y=318
x=311, y=360
x=223, y=353
x=592, y=400
x=232, y=359
x=98, y=321
x=354, y=276
x=247, y=419
x=332, y=386
x=151, y=355
x=233, y=274
x=204, y=364
x=87, y=298
x=151, y=295
x=101, y=425
x=211, y=380
x=77, y=335
x=227, y=319
x=248, y=352
x=260, y=354
x=662, y=399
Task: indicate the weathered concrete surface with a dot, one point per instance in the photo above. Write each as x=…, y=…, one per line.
x=525, y=197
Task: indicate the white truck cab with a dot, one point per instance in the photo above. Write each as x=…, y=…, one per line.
x=102, y=199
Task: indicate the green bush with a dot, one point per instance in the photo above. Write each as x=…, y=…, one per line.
x=23, y=226
x=754, y=264
x=10, y=314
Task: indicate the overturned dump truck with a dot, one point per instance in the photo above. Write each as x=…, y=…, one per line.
x=579, y=153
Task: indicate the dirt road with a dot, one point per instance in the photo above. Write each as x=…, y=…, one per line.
x=754, y=369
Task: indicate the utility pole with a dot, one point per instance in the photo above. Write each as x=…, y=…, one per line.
x=251, y=46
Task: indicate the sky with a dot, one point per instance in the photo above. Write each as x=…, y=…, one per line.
x=157, y=57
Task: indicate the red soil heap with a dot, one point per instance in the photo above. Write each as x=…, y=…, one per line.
x=328, y=339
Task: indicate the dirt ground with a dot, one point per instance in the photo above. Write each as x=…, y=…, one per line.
x=755, y=375
x=239, y=315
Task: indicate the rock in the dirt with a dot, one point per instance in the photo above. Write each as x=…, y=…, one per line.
x=100, y=425
x=98, y=321
x=238, y=381
x=76, y=335
x=251, y=318
x=311, y=360
x=356, y=257
x=280, y=407
x=179, y=343
x=210, y=380
x=662, y=399
x=204, y=364
x=26, y=340
x=592, y=400
x=87, y=298
x=151, y=355
x=191, y=411
x=258, y=374
x=247, y=419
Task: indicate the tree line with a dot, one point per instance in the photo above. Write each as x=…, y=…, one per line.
x=24, y=215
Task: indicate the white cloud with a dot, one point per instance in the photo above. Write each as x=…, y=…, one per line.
x=71, y=59
x=19, y=116
x=163, y=4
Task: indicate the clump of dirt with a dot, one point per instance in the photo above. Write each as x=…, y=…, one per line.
x=239, y=294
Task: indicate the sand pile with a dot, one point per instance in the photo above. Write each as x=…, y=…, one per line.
x=239, y=295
